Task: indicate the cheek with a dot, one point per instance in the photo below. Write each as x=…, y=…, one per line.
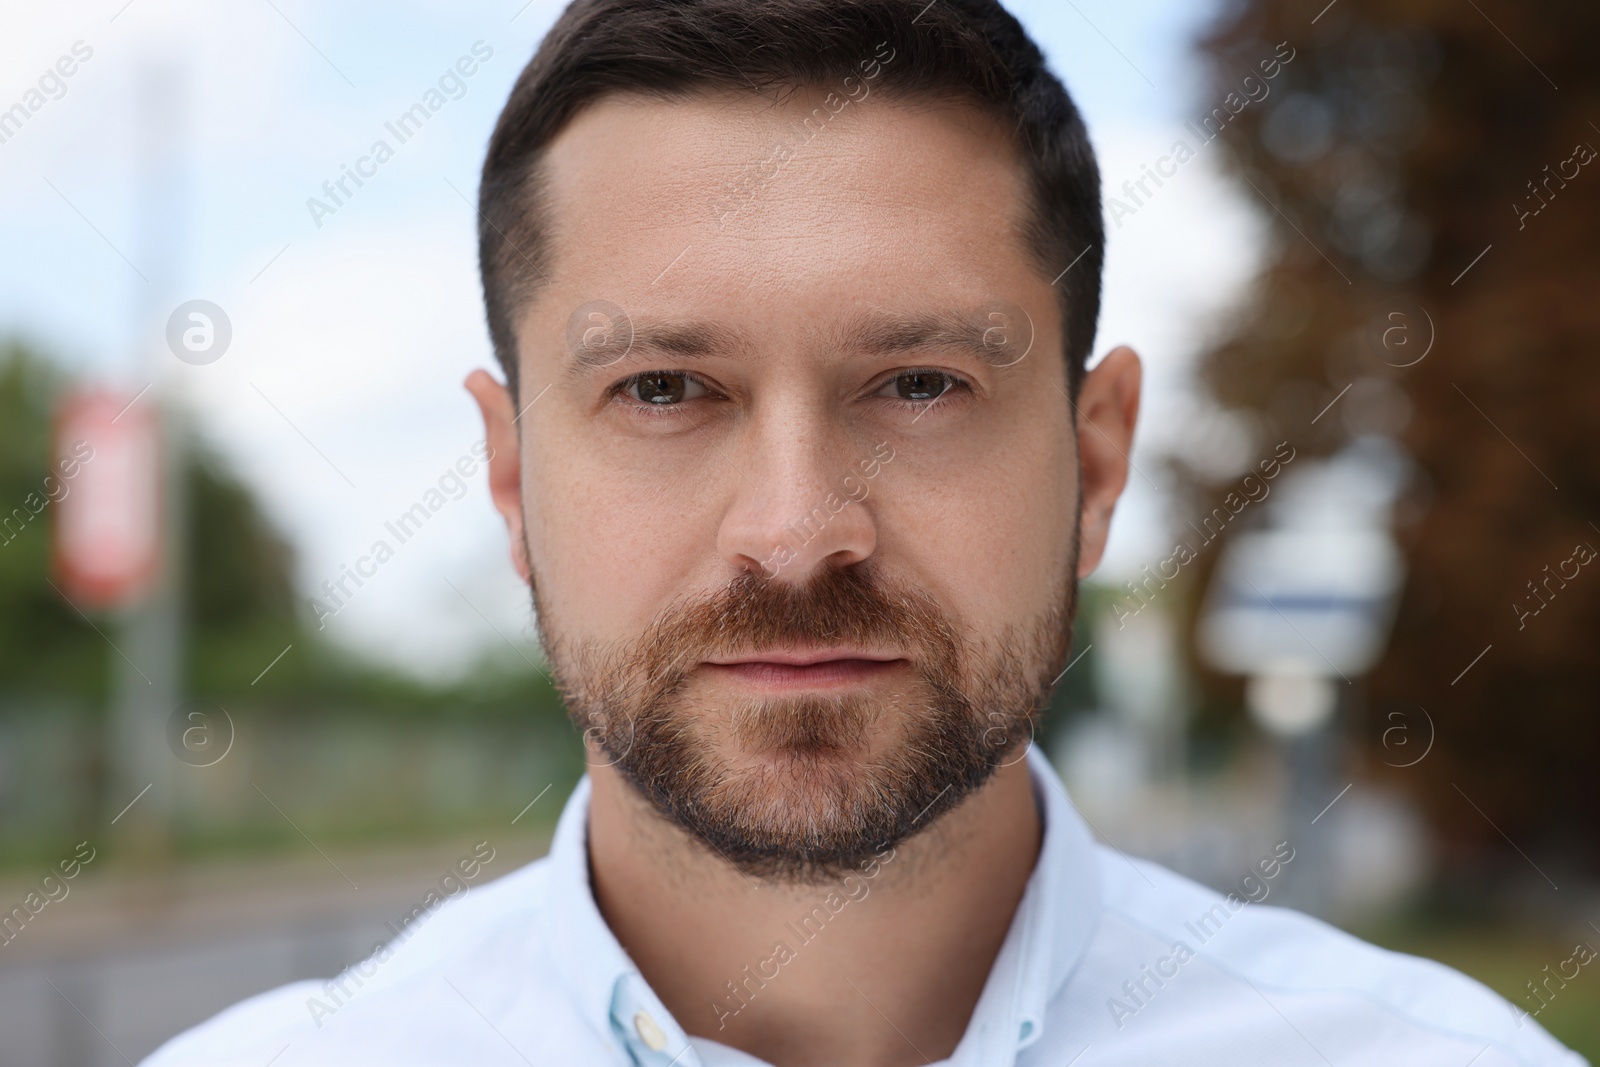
x=985, y=525
x=611, y=541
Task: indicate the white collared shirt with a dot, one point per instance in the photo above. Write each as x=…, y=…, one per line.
x=1109, y=962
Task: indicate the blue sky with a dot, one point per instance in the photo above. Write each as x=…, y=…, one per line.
x=340, y=398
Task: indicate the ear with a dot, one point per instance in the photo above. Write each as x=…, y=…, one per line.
x=505, y=460
x=1108, y=406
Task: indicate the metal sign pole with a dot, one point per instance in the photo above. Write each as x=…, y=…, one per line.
x=153, y=627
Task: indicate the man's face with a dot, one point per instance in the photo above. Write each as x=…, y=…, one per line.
x=798, y=487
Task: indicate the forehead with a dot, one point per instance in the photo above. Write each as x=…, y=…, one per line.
x=798, y=206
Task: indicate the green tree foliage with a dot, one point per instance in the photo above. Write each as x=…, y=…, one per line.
x=1407, y=139
x=45, y=646
x=240, y=606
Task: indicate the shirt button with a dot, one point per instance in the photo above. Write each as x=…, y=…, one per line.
x=649, y=1032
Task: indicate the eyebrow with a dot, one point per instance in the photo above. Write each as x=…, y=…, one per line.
x=874, y=334
x=682, y=340
x=888, y=335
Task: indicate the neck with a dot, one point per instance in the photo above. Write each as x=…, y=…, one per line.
x=892, y=957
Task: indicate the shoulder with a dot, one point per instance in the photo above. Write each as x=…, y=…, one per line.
x=1169, y=953
x=430, y=940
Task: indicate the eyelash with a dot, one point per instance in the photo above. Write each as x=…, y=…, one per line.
x=619, y=392
x=956, y=383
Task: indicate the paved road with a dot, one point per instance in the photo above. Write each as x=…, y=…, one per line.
x=103, y=976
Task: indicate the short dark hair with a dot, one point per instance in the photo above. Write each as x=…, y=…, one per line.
x=967, y=50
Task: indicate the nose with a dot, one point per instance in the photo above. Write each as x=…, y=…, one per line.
x=801, y=502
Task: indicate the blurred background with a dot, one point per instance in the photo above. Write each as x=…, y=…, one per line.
x=1348, y=604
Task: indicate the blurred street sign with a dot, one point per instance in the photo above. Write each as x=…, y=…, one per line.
x=108, y=525
x=1292, y=701
x=1302, y=600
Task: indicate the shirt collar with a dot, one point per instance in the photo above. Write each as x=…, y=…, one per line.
x=595, y=969
x=1048, y=936
x=1051, y=929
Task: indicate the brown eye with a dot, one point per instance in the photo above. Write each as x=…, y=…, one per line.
x=665, y=387
x=920, y=385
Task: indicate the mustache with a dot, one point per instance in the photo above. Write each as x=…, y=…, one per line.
x=838, y=606
x=623, y=694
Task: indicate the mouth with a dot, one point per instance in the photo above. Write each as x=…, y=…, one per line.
x=790, y=670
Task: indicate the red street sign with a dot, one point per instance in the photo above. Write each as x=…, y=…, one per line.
x=108, y=526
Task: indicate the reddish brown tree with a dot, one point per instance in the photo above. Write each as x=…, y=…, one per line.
x=1435, y=160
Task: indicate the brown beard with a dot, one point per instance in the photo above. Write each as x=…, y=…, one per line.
x=819, y=801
